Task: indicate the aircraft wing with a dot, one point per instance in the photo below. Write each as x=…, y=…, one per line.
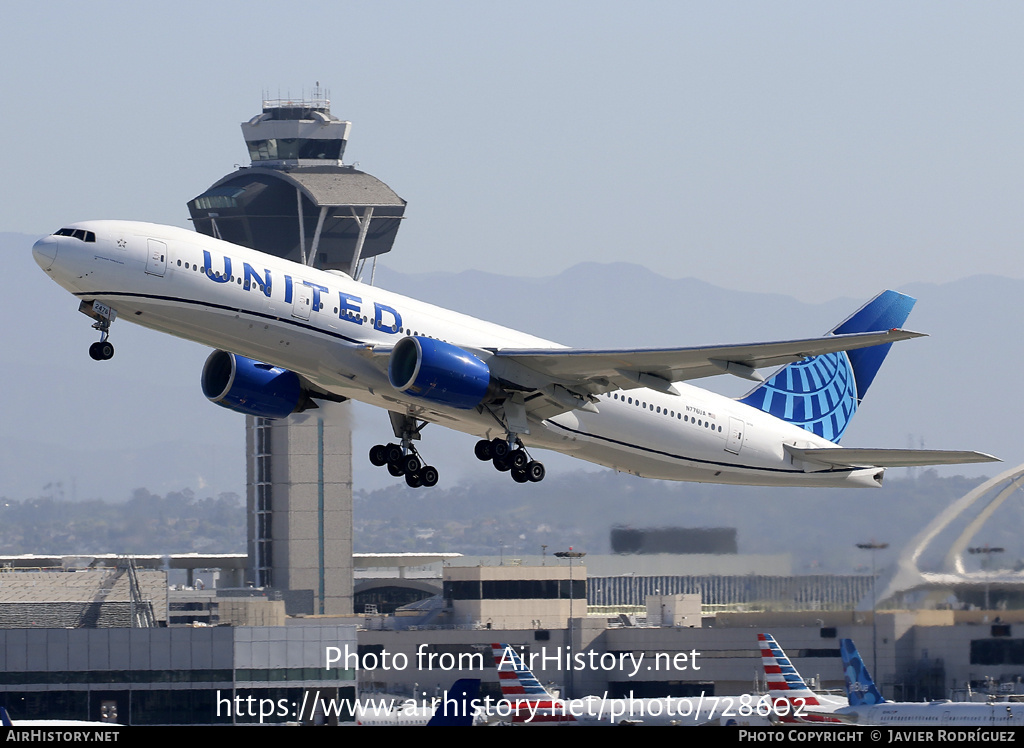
x=549, y=381
x=599, y=371
x=854, y=457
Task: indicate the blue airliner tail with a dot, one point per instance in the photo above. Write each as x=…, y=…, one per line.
x=860, y=688
x=459, y=705
x=822, y=393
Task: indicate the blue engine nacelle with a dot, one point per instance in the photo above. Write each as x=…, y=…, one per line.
x=251, y=387
x=440, y=372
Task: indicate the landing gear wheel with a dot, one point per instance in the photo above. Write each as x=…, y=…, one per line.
x=499, y=448
x=535, y=472
x=101, y=351
x=393, y=454
x=502, y=465
x=411, y=464
x=483, y=450
x=429, y=476
x=378, y=455
x=413, y=480
x=519, y=475
x=395, y=470
x=518, y=458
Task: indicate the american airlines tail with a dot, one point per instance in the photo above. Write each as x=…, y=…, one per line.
x=791, y=698
x=517, y=681
x=784, y=682
x=521, y=687
x=822, y=393
x=860, y=687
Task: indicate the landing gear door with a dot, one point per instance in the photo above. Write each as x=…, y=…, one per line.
x=303, y=301
x=156, y=260
x=735, y=440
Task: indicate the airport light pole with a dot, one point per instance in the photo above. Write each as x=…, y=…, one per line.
x=873, y=546
x=570, y=554
x=986, y=552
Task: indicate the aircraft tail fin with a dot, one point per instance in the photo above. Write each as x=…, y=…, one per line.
x=860, y=688
x=517, y=681
x=821, y=393
x=5, y=718
x=784, y=682
x=457, y=710
x=531, y=702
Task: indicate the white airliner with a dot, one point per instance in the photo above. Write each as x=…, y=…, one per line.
x=864, y=704
x=287, y=334
x=868, y=707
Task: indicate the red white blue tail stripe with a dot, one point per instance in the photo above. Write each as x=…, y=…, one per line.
x=516, y=679
x=534, y=704
x=792, y=700
x=784, y=682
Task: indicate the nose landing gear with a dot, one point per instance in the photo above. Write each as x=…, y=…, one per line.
x=102, y=350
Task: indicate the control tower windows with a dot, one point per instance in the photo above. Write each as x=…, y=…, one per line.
x=281, y=149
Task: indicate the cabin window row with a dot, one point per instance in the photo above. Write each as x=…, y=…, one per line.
x=666, y=412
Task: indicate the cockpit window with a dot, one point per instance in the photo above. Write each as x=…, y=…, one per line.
x=80, y=234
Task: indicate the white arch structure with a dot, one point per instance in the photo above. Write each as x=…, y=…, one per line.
x=906, y=576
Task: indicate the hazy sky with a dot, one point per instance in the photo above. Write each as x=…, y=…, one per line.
x=816, y=149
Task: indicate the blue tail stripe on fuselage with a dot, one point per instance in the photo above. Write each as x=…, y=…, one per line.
x=822, y=393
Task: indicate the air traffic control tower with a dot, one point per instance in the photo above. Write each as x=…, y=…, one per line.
x=299, y=201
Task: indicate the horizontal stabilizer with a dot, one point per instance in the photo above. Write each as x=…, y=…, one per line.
x=846, y=457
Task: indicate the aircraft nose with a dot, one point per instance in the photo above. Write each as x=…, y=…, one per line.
x=45, y=252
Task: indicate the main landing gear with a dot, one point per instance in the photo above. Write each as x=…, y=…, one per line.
x=507, y=454
x=104, y=316
x=403, y=459
x=506, y=458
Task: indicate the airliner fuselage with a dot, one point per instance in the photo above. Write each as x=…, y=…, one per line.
x=340, y=336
